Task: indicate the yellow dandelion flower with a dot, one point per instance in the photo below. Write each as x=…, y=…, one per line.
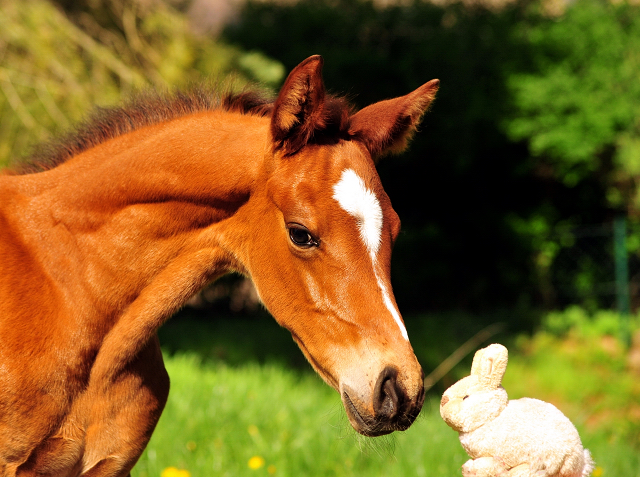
x=256, y=462
x=175, y=472
x=598, y=471
x=271, y=469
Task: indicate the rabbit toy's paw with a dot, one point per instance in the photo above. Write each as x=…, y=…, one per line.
x=494, y=467
x=484, y=467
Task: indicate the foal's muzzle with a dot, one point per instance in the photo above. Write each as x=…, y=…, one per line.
x=391, y=408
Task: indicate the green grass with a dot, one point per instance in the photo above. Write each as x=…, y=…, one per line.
x=218, y=417
x=241, y=389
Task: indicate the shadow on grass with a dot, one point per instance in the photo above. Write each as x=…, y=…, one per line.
x=236, y=339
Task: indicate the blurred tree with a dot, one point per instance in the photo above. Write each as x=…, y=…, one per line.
x=55, y=65
x=535, y=129
x=578, y=104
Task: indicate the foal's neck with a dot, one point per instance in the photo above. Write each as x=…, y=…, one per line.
x=117, y=214
x=209, y=158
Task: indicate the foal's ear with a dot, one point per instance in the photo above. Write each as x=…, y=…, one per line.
x=297, y=111
x=386, y=127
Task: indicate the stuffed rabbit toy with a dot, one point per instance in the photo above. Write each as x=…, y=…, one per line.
x=524, y=437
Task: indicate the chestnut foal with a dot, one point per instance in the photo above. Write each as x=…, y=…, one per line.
x=146, y=204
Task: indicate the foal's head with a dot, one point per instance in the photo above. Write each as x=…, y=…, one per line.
x=321, y=252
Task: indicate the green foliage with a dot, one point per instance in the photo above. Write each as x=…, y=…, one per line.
x=576, y=104
x=577, y=322
x=56, y=67
x=535, y=129
x=579, y=103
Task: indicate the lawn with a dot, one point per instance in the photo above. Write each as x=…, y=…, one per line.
x=219, y=417
x=243, y=402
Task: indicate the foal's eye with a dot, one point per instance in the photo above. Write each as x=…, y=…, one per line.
x=301, y=237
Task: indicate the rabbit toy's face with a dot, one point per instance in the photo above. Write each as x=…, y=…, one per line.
x=469, y=404
x=478, y=398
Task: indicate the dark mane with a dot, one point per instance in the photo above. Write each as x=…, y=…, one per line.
x=152, y=108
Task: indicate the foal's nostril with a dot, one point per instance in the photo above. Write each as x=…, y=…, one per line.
x=388, y=397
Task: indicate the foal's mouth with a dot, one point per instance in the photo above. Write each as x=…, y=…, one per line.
x=361, y=425
x=382, y=423
x=366, y=426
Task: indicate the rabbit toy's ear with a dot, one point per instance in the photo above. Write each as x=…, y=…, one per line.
x=490, y=364
x=477, y=359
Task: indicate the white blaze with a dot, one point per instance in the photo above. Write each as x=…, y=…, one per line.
x=354, y=197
